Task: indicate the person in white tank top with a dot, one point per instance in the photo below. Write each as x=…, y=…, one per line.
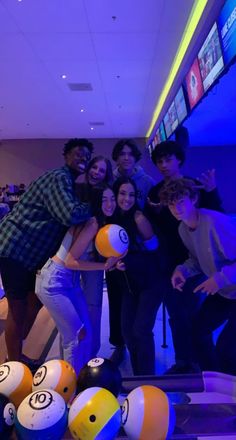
x=58, y=283
x=99, y=172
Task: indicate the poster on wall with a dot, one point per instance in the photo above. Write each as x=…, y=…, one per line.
x=162, y=132
x=171, y=120
x=210, y=58
x=194, y=84
x=180, y=105
x=227, y=29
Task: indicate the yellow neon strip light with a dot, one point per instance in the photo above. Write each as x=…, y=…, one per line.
x=193, y=20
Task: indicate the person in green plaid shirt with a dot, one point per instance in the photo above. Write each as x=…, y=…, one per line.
x=32, y=232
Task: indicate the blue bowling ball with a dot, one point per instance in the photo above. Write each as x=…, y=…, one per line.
x=42, y=415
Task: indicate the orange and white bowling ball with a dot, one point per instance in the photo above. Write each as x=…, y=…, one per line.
x=111, y=241
x=15, y=381
x=147, y=413
x=57, y=375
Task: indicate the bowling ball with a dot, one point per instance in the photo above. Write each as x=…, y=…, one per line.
x=147, y=413
x=57, y=375
x=94, y=414
x=42, y=415
x=15, y=381
x=111, y=241
x=99, y=372
x=7, y=416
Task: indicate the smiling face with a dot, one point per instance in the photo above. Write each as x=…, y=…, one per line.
x=126, y=196
x=108, y=202
x=78, y=159
x=97, y=172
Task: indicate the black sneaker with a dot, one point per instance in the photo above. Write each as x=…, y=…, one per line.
x=183, y=368
x=118, y=355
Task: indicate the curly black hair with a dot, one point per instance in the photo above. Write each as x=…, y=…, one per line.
x=168, y=148
x=76, y=142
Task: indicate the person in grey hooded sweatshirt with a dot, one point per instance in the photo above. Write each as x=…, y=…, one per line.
x=126, y=154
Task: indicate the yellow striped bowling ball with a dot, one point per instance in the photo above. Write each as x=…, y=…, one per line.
x=95, y=413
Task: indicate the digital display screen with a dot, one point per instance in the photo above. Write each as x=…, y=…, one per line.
x=227, y=28
x=210, y=58
x=150, y=149
x=157, y=137
x=171, y=120
x=162, y=132
x=180, y=105
x=194, y=84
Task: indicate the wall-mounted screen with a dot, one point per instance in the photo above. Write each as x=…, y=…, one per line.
x=180, y=105
x=227, y=28
x=157, y=136
x=171, y=120
x=150, y=149
x=194, y=84
x=210, y=58
x=162, y=132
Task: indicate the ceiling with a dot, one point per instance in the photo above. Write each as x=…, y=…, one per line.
x=118, y=52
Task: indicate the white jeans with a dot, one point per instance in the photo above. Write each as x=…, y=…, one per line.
x=58, y=288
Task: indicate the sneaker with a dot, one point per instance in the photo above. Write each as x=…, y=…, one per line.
x=183, y=368
x=118, y=355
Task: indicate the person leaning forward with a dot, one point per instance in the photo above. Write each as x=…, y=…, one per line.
x=31, y=234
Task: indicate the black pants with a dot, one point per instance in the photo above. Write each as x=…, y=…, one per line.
x=182, y=307
x=116, y=285
x=134, y=299
x=215, y=311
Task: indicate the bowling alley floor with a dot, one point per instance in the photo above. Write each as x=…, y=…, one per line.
x=43, y=340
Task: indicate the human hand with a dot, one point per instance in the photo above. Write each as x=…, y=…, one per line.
x=208, y=180
x=120, y=265
x=209, y=287
x=110, y=263
x=178, y=280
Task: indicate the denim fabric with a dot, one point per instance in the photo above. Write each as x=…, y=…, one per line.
x=59, y=290
x=92, y=285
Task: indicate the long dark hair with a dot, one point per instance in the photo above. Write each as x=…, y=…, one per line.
x=93, y=195
x=126, y=218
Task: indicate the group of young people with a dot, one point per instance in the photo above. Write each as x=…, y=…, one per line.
x=52, y=231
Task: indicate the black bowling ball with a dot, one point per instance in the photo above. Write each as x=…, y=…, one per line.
x=7, y=417
x=100, y=372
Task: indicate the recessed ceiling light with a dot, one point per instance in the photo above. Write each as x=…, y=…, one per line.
x=82, y=110
x=63, y=76
x=91, y=128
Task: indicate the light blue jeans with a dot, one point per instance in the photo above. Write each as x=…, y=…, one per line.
x=92, y=285
x=58, y=288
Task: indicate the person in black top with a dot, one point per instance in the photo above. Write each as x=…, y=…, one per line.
x=169, y=156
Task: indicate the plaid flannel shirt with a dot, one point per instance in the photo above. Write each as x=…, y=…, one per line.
x=33, y=231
